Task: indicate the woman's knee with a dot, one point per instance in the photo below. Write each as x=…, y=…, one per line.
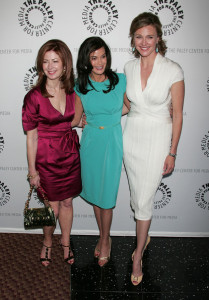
x=67, y=203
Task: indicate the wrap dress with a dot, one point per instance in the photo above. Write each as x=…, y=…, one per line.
x=57, y=158
x=148, y=130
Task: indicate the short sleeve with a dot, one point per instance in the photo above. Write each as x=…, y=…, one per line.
x=30, y=111
x=122, y=79
x=178, y=73
x=77, y=91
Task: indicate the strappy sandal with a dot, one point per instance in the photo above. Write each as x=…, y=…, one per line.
x=46, y=258
x=70, y=254
x=105, y=258
x=136, y=279
x=96, y=251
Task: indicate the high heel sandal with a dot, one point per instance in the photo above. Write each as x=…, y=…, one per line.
x=105, y=258
x=145, y=247
x=46, y=259
x=70, y=254
x=136, y=279
x=96, y=252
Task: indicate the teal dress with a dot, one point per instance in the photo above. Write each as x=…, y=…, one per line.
x=101, y=150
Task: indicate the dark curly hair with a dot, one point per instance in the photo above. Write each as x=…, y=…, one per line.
x=145, y=19
x=84, y=66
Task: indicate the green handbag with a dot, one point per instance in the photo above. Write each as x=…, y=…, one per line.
x=38, y=217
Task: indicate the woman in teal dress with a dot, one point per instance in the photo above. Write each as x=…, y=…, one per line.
x=100, y=94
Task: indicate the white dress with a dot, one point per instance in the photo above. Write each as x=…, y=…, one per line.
x=148, y=130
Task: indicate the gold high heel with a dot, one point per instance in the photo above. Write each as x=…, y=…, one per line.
x=107, y=258
x=145, y=247
x=136, y=279
x=96, y=251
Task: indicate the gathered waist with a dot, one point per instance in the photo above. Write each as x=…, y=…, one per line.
x=48, y=134
x=68, y=140
x=102, y=126
x=155, y=117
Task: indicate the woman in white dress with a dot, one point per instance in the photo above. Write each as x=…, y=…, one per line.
x=151, y=136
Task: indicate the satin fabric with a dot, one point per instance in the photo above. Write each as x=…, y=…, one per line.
x=57, y=158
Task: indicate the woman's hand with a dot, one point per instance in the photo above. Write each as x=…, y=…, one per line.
x=84, y=123
x=34, y=180
x=169, y=165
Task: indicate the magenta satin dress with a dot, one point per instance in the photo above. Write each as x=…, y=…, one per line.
x=57, y=159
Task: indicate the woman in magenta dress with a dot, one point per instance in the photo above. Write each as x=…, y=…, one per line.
x=52, y=145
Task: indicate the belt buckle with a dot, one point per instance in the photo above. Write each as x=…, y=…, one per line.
x=101, y=127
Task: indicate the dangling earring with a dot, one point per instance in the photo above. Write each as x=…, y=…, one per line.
x=156, y=49
x=133, y=49
x=64, y=69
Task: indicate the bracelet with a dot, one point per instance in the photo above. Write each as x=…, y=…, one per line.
x=32, y=176
x=173, y=155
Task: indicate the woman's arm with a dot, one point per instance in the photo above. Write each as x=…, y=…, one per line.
x=32, y=144
x=126, y=105
x=78, y=112
x=177, y=94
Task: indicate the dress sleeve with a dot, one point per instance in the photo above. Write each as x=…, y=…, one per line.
x=30, y=112
x=178, y=74
x=77, y=91
x=122, y=79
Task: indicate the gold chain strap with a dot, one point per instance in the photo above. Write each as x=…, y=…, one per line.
x=46, y=201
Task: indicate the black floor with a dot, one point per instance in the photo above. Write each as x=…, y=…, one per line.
x=174, y=268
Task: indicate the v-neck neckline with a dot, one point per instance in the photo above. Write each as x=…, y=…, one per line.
x=57, y=109
x=150, y=76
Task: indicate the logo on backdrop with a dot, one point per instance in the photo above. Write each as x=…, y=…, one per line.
x=30, y=78
x=202, y=196
x=100, y=17
x=163, y=196
x=35, y=17
x=36, y=198
x=170, y=13
x=207, y=85
x=205, y=144
x=1, y=143
x=4, y=194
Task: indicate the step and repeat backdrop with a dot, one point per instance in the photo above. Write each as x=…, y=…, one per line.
x=181, y=205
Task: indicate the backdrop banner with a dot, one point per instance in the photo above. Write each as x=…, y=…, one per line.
x=181, y=205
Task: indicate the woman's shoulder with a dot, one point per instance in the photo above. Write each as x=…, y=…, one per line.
x=171, y=64
x=34, y=92
x=121, y=76
x=131, y=63
x=172, y=69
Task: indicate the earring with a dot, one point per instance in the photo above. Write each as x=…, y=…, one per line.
x=85, y=67
x=64, y=69
x=156, y=49
x=133, y=49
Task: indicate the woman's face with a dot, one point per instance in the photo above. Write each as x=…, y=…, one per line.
x=145, y=40
x=52, y=65
x=98, y=60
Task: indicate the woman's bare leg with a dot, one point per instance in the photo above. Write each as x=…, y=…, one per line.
x=66, y=221
x=142, y=228
x=106, y=221
x=48, y=233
